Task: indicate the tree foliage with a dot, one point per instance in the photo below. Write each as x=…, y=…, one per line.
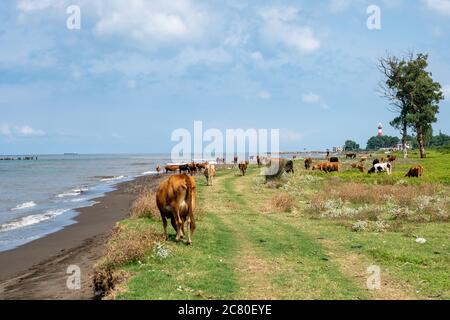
x=377, y=142
x=351, y=145
x=413, y=94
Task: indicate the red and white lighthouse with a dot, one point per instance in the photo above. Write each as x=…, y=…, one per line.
x=380, y=130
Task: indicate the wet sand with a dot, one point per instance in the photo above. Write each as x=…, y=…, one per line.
x=37, y=270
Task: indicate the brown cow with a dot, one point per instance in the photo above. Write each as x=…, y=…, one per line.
x=351, y=155
x=210, y=173
x=415, y=172
x=359, y=166
x=391, y=158
x=201, y=166
x=158, y=168
x=192, y=168
x=176, y=200
x=243, y=167
x=308, y=163
x=171, y=168
x=258, y=161
x=327, y=167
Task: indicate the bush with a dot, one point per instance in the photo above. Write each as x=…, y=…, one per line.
x=283, y=203
x=145, y=205
x=126, y=245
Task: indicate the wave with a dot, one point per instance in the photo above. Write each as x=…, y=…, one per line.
x=146, y=173
x=30, y=220
x=73, y=193
x=24, y=205
x=112, y=178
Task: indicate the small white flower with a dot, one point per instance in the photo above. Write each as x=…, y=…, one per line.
x=421, y=240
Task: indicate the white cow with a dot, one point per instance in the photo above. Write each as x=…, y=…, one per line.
x=382, y=167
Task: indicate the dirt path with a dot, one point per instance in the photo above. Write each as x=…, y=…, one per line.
x=253, y=271
x=269, y=254
x=244, y=251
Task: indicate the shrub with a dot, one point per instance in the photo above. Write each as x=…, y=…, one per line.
x=126, y=245
x=283, y=203
x=145, y=205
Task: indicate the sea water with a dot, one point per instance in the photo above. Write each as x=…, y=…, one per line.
x=39, y=197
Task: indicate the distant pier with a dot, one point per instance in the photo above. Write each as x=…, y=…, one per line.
x=17, y=158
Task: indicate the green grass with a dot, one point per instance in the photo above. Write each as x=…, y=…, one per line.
x=436, y=165
x=245, y=249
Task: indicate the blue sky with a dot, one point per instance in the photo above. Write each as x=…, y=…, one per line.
x=137, y=70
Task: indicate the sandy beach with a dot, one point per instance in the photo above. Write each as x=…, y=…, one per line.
x=37, y=270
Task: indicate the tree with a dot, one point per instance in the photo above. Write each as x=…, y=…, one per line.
x=392, y=89
x=414, y=95
x=378, y=142
x=351, y=145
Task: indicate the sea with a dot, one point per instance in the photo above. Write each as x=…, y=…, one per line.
x=39, y=197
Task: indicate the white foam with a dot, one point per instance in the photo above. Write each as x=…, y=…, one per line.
x=73, y=193
x=30, y=220
x=146, y=173
x=69, y=194
x=113, y=178
x=25, y=205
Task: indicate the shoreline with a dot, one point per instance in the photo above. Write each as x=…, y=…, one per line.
x=37, y=270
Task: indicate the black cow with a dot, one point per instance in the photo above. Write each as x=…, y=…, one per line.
x=289, y=166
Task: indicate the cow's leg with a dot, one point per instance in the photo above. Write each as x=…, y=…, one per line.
x=189, y=230
x=174, y=225
x=164, y=220
x=178, y=222
x=182, y=229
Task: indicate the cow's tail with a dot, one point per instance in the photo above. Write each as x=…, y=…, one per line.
x=190, y=199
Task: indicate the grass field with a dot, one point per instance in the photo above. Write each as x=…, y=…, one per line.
x=310, y=236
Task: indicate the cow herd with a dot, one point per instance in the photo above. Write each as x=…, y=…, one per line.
x=378, y=165
x=176, y=196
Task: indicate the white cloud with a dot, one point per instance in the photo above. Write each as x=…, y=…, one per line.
x=310, y=98
x=265, y=95
x=5, y=130
x=19, y=131
x=153, y=22
x=27, y=131
x=340, y=5
x=135, y=65
x=440, y=6
x=446, y=91
x=279, y=28
x=256, y=55
x=36, y=5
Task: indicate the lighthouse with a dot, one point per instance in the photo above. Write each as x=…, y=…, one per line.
x=380, y=130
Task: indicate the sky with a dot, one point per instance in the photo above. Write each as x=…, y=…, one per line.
x=137, y=70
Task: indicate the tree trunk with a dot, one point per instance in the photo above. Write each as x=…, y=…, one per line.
x=421, y=141
x=404, y=140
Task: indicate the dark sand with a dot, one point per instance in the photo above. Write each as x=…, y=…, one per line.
x=37, y=270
